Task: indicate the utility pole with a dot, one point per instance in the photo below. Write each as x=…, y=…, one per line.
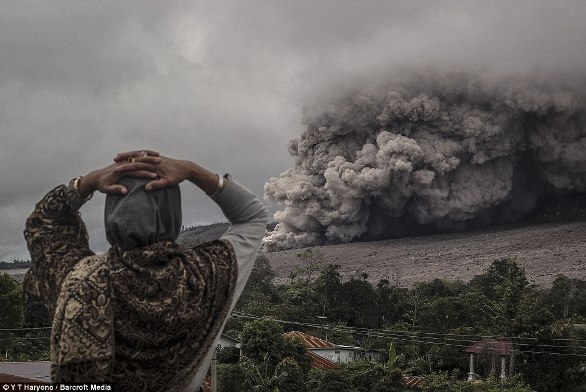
x=323, y=319
x=214, y=373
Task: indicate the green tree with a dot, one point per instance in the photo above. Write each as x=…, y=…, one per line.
x=262, y=377
x=295, y=350
x=445, y=313
x=337, y=332
x=555, y=372
x=312, y=262
x=259, y=289
x=294, y=377
x=358, y=304
x=444, y=382
x=10, y=302
x=232, y=378
x=441, y=288
x=262, y=340
x=503, y=274
x=415, y=300
x=391, y=382
x=10, y=309
x=392, y=302
x=335, y=380
x=567, y=297
x=327, y=287
x=228, y=355
x=297, y=302
x=507, y=300
x=261, y=276
x=273, y=361
x=36, y=313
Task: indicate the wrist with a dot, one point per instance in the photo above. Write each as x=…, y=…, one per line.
x=206, y=180
x=86, y=185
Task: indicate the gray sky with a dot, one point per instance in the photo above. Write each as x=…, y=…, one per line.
x=224, y=83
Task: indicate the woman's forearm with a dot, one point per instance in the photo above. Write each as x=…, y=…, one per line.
x=57, y=239
x=204, y=179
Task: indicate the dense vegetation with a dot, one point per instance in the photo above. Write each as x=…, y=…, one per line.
x=428, y=326
x=24, y=330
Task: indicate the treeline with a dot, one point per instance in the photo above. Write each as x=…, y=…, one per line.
x=15, y=264
x=24, y=324
x=432, y=322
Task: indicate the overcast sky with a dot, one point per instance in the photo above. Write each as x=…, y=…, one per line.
x=225, y=83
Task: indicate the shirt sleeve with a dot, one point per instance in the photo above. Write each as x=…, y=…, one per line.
x=248, y=218
x=57, y=239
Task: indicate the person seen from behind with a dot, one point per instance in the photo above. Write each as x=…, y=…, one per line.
x=146, y=315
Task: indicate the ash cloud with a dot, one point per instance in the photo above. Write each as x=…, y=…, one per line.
x=433, y=151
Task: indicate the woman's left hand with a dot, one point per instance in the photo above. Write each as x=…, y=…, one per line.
x=106, y=179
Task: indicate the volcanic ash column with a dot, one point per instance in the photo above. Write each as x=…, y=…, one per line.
x=428, y=153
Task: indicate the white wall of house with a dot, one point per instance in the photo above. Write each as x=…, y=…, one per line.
x=373, y=356
x=337, y=354
x=228, y=342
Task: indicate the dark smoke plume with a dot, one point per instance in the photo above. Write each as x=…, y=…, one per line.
x=428, y=153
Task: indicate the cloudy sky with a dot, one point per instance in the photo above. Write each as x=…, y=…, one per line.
x=225, y=83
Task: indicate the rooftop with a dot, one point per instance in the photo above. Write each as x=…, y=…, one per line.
x=491, y=346
x=309, y=341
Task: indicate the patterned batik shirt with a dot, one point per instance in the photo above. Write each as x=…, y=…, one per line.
x=141, y=319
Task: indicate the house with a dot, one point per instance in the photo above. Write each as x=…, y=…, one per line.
x=327, y=355
x=318, y=362
x=336, y=353
x=227, y=341
x=332, y=352
x=494, y=349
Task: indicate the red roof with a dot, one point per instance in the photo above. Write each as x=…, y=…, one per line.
x=491, y=346
x=309, y=341
x=319, y=362
x=413, y=382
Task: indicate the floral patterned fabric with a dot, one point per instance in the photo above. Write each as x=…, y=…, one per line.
x=141, y=319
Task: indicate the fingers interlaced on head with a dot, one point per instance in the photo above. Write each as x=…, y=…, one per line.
x=137, y=165
x=125, y=156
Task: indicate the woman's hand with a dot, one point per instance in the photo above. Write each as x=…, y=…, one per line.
x=131, y=155
x=106, y=179
x=169, y=171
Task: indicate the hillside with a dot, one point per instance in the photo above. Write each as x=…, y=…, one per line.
x=546, y=250
x=551, y=242
x=199, y=234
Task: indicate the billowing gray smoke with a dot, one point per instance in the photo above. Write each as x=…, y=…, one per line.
x=428, y=153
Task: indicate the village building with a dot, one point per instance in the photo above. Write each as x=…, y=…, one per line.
x=496, y=350
x=336, y=353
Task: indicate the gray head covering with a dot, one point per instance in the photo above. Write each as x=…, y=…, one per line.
x=142, y=218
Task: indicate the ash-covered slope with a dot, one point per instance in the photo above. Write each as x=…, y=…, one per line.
x=551, y=241
x=546, y=250
x=199, y=234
